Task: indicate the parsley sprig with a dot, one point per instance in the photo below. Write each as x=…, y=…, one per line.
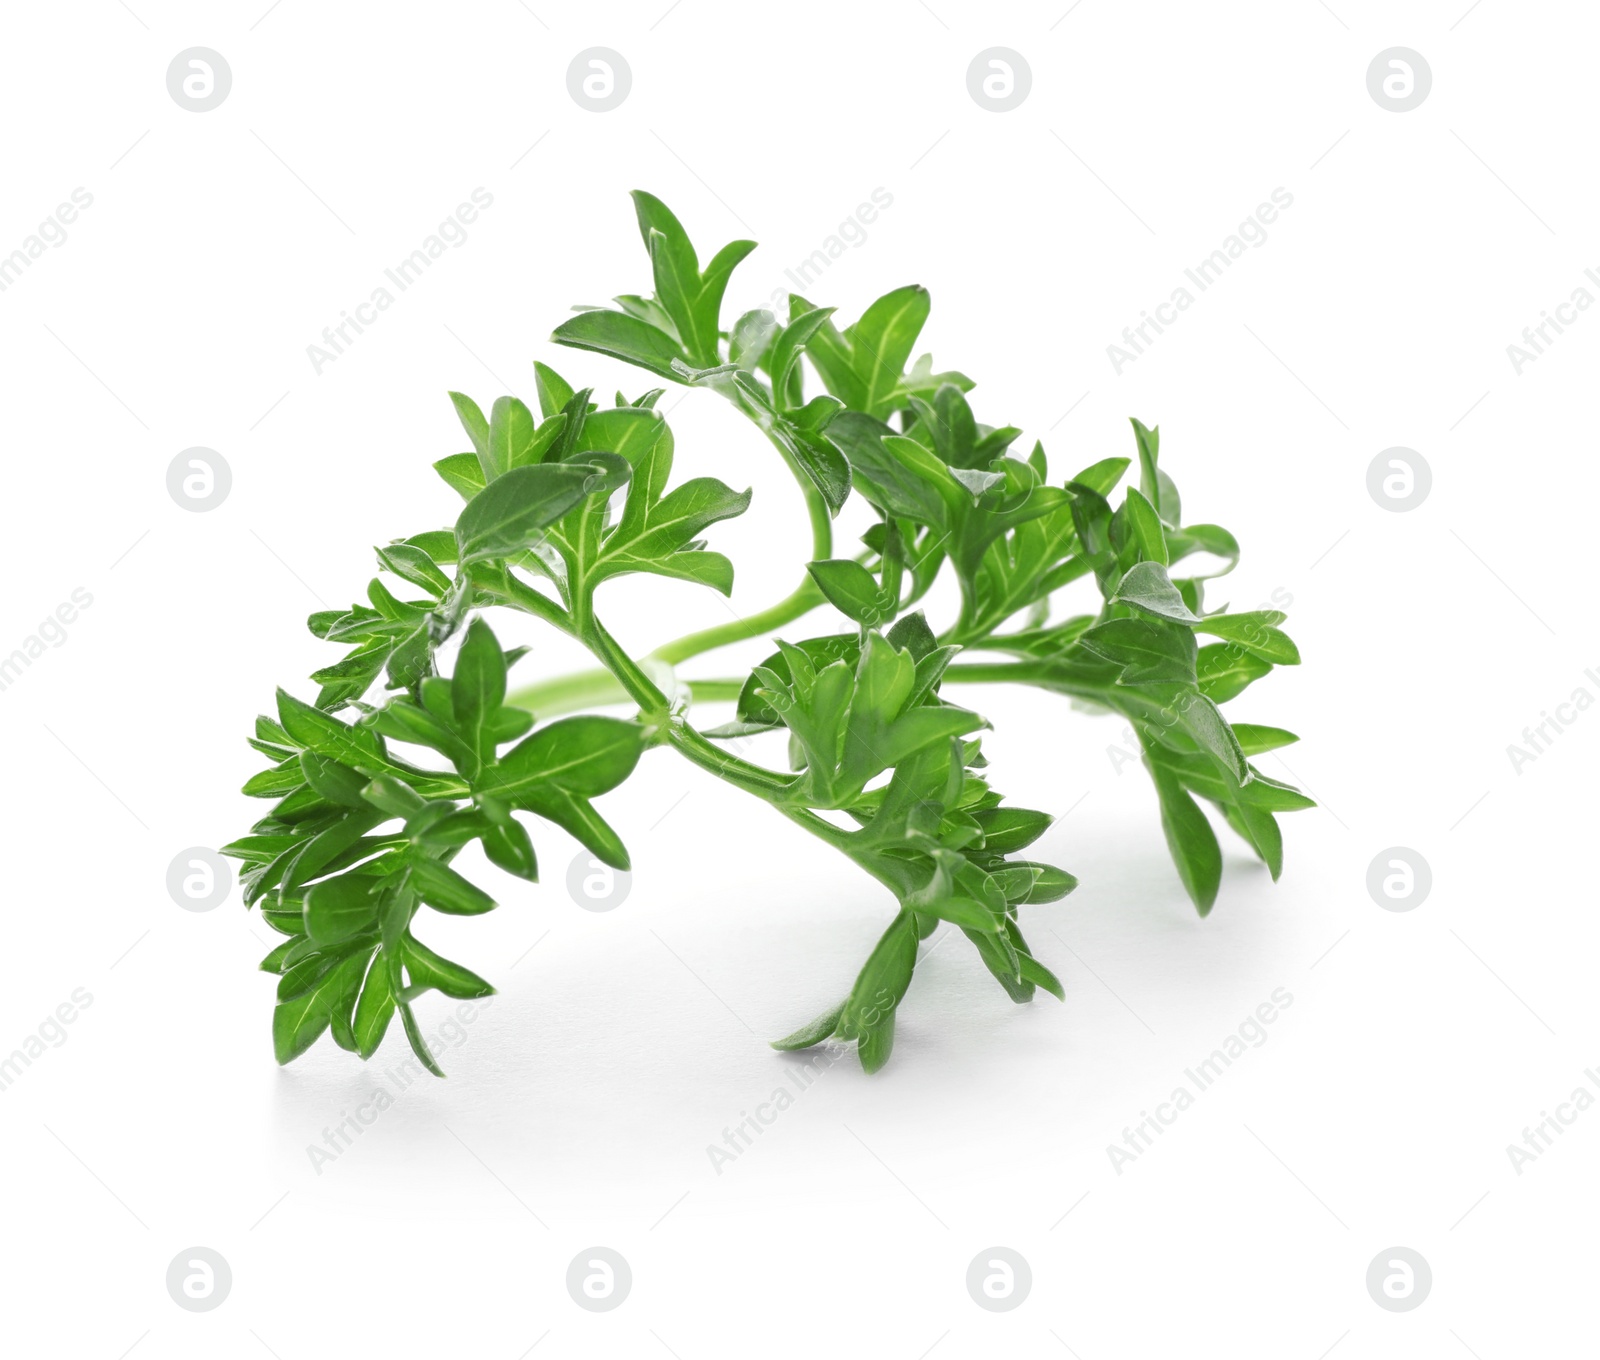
x=360, y=836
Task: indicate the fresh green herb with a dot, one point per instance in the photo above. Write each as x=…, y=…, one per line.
x=360, y=837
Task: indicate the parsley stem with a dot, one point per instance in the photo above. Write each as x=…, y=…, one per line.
x=816, y=507
x=654, y=706
x=802, y=601
x=569, y=693
x=1060, y=675
x=996, y=672
x=1062, y=678
x=701, y=751
x=764, y=783
x=597, y=688
x=500, y=584
x=714, y=691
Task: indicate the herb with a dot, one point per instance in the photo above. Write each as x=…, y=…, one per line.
x=360, y=837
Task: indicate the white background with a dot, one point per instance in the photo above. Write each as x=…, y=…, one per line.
x=581, y=1101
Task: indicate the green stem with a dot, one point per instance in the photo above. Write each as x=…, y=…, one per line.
x=997, y=672
x=502, y=586
x=821, y=520
x=714, y=691
x=700, y=750
x=754, y=779
x=653, y=704
x=1060, y=678
x=802, y=601
x=569, y=693
x=598, y=687
x=621, y=678
x=816, y=507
